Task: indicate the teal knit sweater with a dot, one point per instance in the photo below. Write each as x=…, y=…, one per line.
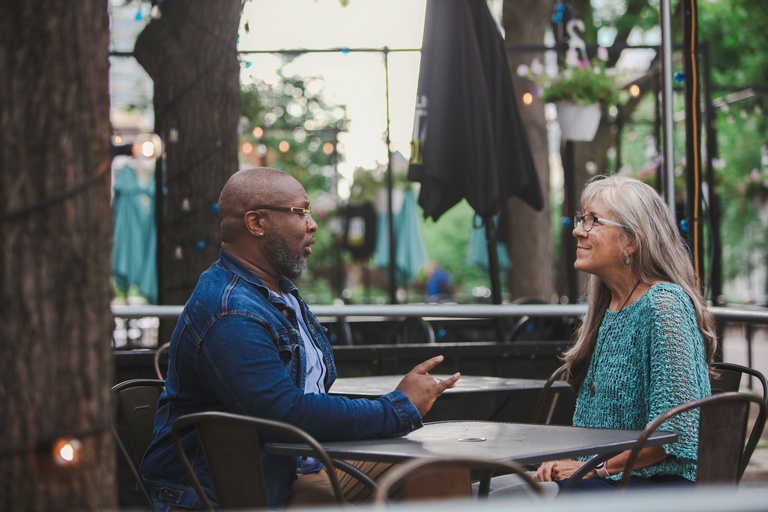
x=649, y=357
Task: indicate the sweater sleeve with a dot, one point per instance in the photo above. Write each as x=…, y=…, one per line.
x=678, y=372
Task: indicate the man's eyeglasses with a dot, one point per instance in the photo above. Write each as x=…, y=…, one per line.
x=587, y=221
x=304, y=212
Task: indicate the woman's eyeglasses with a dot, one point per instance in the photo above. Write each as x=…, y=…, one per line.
x=587, y=221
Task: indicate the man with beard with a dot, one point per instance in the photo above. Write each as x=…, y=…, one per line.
x=246, y=343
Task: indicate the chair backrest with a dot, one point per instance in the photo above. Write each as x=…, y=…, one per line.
x=413, y=330
x=445, y=478
x=547, y=401
x=232, y=449
x=730, y=378
x=340, y=332
x=723, y=454
x=160, y=353
x=136, y=402
x=538, y=328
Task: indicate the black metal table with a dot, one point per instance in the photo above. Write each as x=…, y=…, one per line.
x=473, y=398
x=377, y=385
x=524, y=443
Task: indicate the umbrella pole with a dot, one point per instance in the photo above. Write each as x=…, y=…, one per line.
x=493, y=269
x=392, y=285
x=493, y=258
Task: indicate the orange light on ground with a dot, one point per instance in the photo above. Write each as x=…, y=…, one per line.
x=247, y=148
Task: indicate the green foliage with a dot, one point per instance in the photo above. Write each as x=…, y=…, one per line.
x=366, y=184
x=577, y=81
x=739, y=57
x=293, y=112
x=447, y=243
x=295, y=128
x=742, y=192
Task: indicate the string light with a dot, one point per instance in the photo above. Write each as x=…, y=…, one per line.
x=527, y=98
x=634, y=90
x=284, y=146
x=154, y=11
x=67, y=452
x=146, y=146
x=557, y=17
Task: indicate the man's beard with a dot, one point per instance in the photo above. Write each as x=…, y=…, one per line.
x=290, y=264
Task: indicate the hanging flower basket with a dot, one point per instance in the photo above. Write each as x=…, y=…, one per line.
x=578, y=122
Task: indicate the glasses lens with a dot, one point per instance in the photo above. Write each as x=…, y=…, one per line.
x=585, y=221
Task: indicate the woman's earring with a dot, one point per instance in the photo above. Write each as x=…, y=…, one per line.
x=627, y=261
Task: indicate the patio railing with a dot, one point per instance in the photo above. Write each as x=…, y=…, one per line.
x=144, y=320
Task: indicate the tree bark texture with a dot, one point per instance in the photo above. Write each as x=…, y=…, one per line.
x=55, y=355
x=190, y=53
x=530, y=246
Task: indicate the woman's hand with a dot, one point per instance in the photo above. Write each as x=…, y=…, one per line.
x=558, y=470
x=561, y=469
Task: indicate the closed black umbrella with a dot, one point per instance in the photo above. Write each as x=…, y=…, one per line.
x=469, y=141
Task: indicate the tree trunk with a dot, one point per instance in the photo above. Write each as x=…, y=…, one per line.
x=530, y=246
x=191, y=54
x=55, y=356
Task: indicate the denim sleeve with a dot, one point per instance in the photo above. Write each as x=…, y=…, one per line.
x=250, y=372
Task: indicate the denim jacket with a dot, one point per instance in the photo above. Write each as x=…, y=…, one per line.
x=235, y=349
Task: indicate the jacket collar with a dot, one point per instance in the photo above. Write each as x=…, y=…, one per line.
x=229, y=263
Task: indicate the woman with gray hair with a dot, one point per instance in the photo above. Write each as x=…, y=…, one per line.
x=647, y=338
x=646, y=342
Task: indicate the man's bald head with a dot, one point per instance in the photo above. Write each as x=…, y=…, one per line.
x=244, y=190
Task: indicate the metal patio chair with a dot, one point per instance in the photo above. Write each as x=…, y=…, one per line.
x=445, y=478
x=136, y=401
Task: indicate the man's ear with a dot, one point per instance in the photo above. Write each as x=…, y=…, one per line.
x=254, y=223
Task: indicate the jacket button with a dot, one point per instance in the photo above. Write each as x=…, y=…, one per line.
x=286, y=313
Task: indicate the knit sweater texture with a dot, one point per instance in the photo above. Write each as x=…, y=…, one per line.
x=649, y=358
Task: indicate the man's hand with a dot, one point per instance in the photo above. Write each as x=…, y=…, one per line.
x=421, y=388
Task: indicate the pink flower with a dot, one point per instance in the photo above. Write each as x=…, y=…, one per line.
x=536, y=67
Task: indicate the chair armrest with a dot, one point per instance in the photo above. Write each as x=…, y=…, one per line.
x=583, y=471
